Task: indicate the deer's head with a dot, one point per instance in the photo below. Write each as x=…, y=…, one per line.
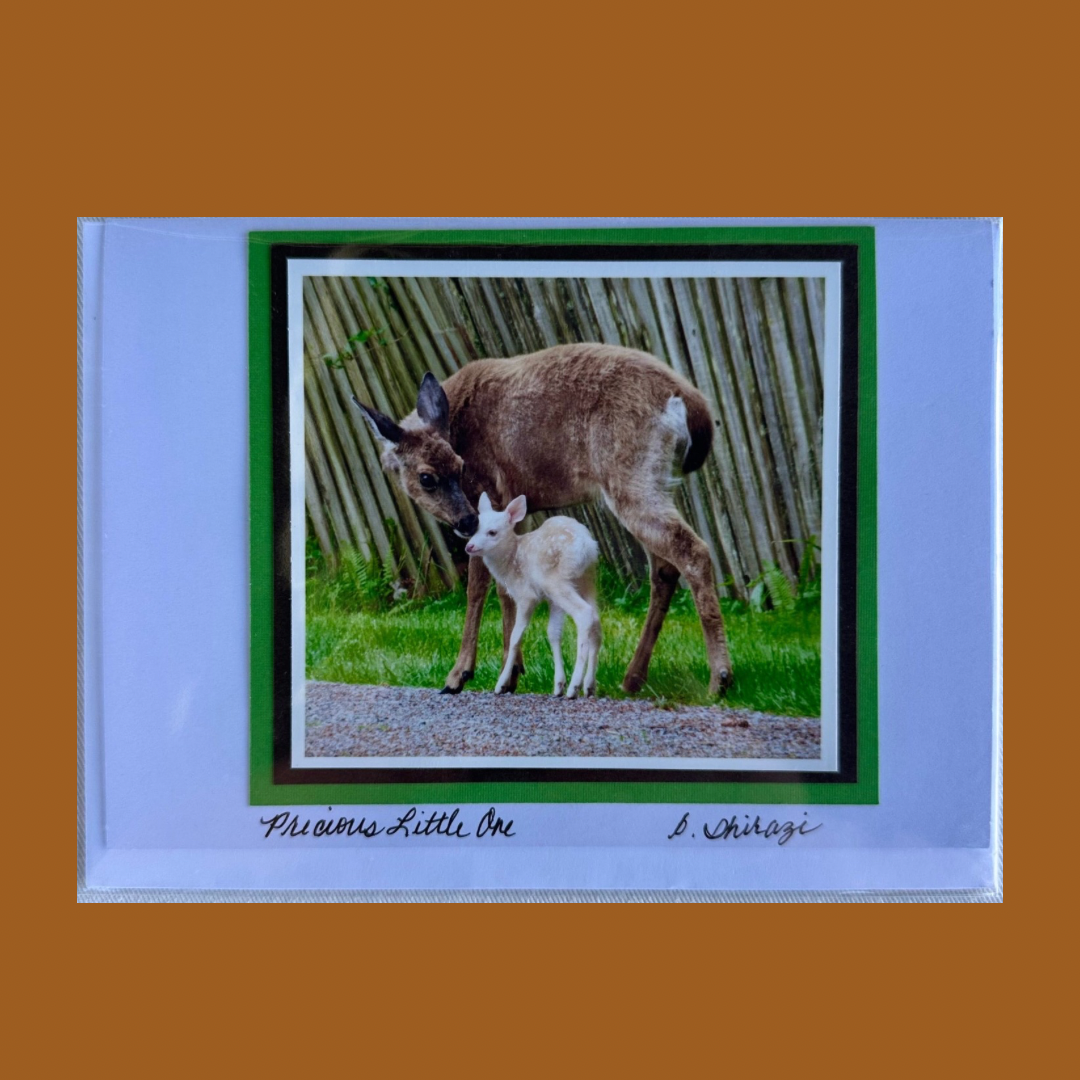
x=419, y=456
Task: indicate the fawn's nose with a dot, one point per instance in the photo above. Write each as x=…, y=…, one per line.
x=467, y=525
x=470, y=548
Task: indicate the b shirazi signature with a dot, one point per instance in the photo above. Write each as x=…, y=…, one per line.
x=414, y=822
x=741, y=826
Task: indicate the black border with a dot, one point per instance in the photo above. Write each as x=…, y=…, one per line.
x=845, y=254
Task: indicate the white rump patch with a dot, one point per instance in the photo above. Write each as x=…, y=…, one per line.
x=674, y=419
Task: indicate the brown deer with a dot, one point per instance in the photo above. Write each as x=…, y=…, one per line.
x=564, y=426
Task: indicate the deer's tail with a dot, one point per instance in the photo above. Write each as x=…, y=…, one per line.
x=700, y=426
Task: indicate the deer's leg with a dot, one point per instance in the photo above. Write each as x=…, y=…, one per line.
x=476, y=592
x=663, y=579
x=521, y=621
x=665, y=535
x=556, y=618
x=506, y=603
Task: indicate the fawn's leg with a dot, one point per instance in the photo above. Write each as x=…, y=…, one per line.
x=476, y=592
x=521, y=621
x=582, y=613
x=593, y=655
x=663, y=580
x=506, y=605
x=556, y=618
x=665, y=535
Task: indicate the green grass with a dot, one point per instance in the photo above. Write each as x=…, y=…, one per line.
x=776, y=654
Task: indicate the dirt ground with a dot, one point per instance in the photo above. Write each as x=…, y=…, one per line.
x=392, y=721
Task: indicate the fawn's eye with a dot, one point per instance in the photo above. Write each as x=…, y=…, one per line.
x=427, y=481
x=492, y=532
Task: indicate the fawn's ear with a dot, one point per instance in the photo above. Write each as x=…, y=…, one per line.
x=517, y=509
x=484, y=505
x=432, y=406
x=386, y=431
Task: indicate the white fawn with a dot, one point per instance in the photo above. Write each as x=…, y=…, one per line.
x=556, y=563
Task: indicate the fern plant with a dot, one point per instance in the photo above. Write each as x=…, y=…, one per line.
x=808, y=586
x=363, y=584
x=771, y=588
x=809, y=578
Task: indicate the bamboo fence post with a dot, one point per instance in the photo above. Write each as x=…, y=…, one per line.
x=752, y=347
x=814, y=294
x=731, y=419
x=356, y=531
x=314, y=506
x=493, y=340
x=798, y=423
x=372, y=391
x=357, y=479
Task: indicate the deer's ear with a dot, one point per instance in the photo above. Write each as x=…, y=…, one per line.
x=517, y=509
x=484, y=505
x=432, y=405
x=386, y=431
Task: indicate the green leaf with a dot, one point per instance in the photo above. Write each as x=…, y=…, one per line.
x=780, y=592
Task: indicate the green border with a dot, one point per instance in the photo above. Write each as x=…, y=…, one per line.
x=264, y=792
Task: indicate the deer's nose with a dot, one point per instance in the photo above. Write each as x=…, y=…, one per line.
x=467, y=525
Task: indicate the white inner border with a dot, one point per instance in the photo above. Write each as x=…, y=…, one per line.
x=298, y=269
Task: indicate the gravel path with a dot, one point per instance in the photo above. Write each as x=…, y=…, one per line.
x=345, y=720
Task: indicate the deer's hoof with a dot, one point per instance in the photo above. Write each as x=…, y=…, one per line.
x=450, y=688
x=633, y=682
x=720, y=682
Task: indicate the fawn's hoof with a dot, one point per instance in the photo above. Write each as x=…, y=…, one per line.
x=560, y=689
x=512, y=679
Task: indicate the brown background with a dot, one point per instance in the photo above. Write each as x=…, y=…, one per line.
x=678, y=109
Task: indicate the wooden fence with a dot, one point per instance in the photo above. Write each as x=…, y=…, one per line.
x=752, y=346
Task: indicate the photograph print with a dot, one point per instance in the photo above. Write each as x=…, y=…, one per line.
x=564, y=515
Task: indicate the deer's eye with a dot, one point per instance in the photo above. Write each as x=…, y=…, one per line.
x=427, y=481
x=492, y=532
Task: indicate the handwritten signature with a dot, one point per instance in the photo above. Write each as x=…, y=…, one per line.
x=731, y=828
